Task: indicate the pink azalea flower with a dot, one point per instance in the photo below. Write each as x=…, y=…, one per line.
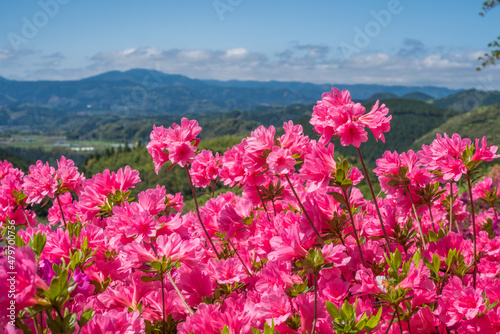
x=281, y=161
x=68, y=176
x=176, y=144
x=227, y=271
x=68, y=207
x=95, y=191
x=175, y=201
x=293, y=139
x=276, y=275
x=445, y=154
x=423, y=322
x=318, y=167
x=114, y=321
x=25, y=279
x=337, y=115
x=304, y=304
x=205, y=168
x=333, y=289
x=127, y=294
x=275, y=306
x=153, y=200
x=195, y=284
x=235, y=219
x=352, y=133
x=232, y=171
x=182, y=153
x=40, y=182
x=173, y=305
x=457, y=302
x=367, y=285
x=203, y=321
x=485, y=189
x=484, y=152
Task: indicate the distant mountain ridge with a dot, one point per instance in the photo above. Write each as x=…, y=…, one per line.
x=150, y=91
x=468, y=100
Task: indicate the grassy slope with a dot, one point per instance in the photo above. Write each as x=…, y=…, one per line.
x=484, y=121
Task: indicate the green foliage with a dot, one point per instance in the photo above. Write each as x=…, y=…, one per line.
x=494, y=55
x=468, y=100
x=344, y=319
x=267, y=329
x=484, y=121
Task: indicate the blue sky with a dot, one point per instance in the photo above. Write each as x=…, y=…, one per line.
x=407, y=42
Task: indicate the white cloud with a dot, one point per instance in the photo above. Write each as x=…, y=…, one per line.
x=416, y=65
x=236, y=53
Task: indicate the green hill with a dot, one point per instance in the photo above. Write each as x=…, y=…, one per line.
x=468, y=100
x=380, y=96
x=418, y=96
x=484, y=121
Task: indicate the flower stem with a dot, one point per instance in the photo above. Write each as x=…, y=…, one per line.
x=173, y=284
x=263, y=203
x=190, y=310
x=495, y=212
x=303, y=209
x=399, y=320
x=241, y=260
x=353, y=226
x=374, y=201
x=163, y=302
x=473, y=216
x=451, y=206
x=62, y=212
x=315, y=302
x=198, y=214
x=432, y=218
x=390, y=323
x=419, y=224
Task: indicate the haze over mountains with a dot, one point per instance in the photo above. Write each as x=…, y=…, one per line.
x=148, y=91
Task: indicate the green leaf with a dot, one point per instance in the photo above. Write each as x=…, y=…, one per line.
x=403, y=170
x=397, y=259
x=255, y=331
x=332, y=310
x=86, y=316
x=38, y=241
x=347, y=308
x=433, y=236
x=267, y=329
x=148, y=279
x=156, y=265
x=19, y=242
x=416, y=258
x=339, y=198
x=436, y=263
x=340, y=174
x=492, y=306
x=225, y=330
x=374, y=320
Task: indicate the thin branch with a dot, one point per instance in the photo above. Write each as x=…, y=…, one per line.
x=303, y=209
x=198, y=214
x=473, y=216
x=374, y=201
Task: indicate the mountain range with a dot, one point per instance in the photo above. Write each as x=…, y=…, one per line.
x=153, y=92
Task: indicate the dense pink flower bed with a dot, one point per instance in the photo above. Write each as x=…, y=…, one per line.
x=301, y=250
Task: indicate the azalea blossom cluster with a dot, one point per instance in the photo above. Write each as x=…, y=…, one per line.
x=300, y=250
